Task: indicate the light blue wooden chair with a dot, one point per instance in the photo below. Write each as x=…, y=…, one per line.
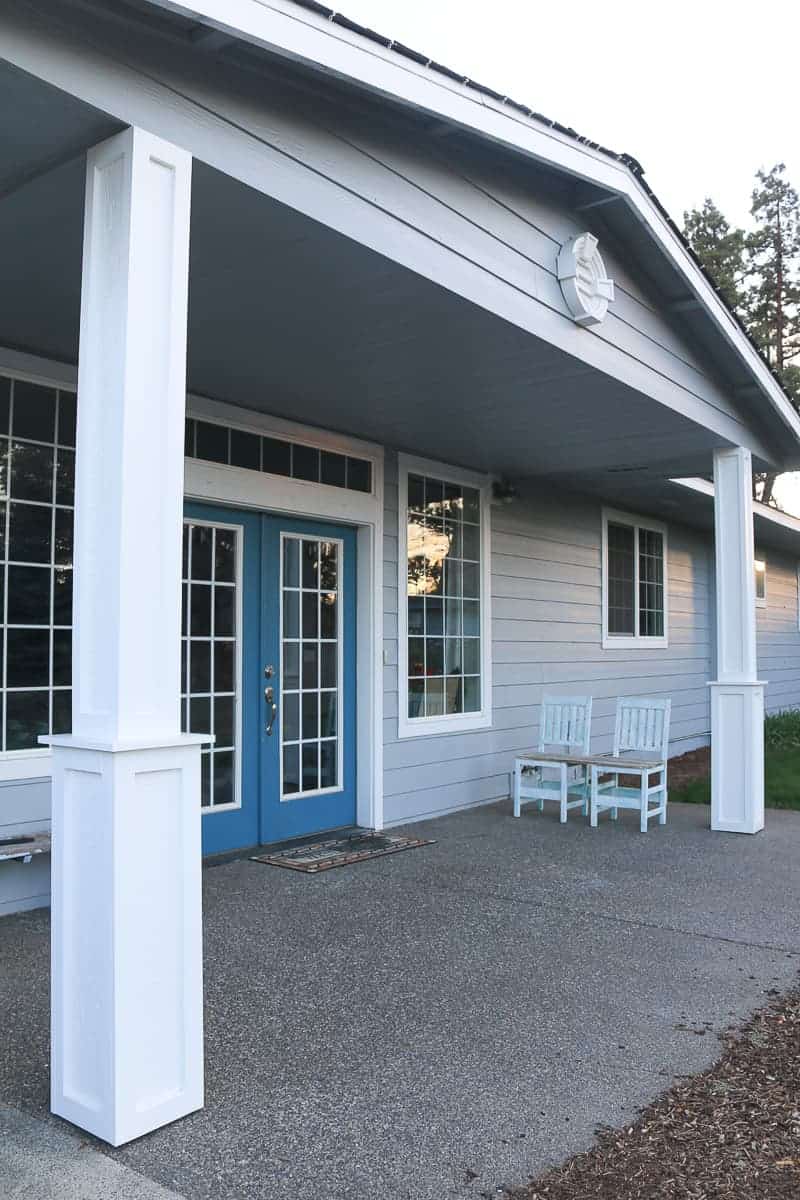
x=641, y=742
x=558, y=770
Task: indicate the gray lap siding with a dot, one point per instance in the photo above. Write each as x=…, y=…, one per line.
x=547, y=636
x=777, y=631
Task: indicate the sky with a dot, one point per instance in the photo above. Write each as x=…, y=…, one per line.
x=692, y=90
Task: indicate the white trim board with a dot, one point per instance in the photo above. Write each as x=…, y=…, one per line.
x=300, y=35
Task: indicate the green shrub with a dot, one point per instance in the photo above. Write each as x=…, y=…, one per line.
x=782, y=730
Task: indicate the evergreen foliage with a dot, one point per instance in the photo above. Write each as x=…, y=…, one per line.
x=758, y=275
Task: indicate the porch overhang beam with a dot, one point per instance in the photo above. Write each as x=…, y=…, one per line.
x=362, y=200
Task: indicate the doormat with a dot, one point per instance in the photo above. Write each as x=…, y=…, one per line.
x=340, y=852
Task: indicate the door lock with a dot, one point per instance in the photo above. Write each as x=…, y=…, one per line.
x=269, y=672
x=269, y=694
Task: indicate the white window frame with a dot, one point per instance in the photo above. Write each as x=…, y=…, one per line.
x=291, y=797
x=459, y=722
x=612, y=641
x=760, y=566
x=237, y=658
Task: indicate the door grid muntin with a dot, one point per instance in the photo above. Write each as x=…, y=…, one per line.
x=314, y=594
x=220, y=761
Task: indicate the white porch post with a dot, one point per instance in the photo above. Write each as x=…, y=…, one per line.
x=127, y=1040
x=737, y=696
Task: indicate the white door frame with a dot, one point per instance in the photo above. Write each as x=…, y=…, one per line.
x=218, y=484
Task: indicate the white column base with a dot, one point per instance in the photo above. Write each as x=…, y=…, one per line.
x=737, y=757
x=127, y=987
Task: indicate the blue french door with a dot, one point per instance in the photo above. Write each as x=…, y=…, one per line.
x=269, y=644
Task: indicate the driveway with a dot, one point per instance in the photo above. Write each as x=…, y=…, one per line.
x=447, y=1021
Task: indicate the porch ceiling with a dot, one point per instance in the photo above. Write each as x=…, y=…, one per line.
x=291, y=318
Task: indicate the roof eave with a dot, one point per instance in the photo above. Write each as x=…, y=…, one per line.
x=310, y=33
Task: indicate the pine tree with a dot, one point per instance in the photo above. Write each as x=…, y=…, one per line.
x=773, y=297
x=721, y=250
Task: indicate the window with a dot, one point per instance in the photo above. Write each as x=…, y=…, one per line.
x=634, y=581
x=210, y=667
x=37, y=472
x=213, y=442
x=311, y=666
x=444, y=643
x=760, y=572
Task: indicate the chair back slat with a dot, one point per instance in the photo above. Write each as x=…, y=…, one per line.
x=642, y=725
x=566, y=722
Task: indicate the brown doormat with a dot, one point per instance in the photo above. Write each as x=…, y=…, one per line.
x=340, y=852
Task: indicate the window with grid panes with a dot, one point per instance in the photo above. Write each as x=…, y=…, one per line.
x=209, y=653
x=634, y=580
x=310, y=664
x=37, y=474
x=444, y=659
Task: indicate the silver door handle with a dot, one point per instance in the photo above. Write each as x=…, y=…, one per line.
x=273, y=714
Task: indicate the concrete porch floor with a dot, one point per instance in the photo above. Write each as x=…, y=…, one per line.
x=449, y=1020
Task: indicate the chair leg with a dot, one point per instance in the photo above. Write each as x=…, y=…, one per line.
x=662, y=816
x=585, y=781
x=517, y=785
x=593, y=798
x=564, y=786
x=643, y=781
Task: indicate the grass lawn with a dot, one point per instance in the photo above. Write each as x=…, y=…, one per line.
x=781, y=767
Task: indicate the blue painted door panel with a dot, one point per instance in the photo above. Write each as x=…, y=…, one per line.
x=265, y=811
x=287, y=814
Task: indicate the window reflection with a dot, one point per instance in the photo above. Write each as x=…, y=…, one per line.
x=443, y=597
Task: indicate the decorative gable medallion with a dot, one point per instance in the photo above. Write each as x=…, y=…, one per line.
x=584, y=284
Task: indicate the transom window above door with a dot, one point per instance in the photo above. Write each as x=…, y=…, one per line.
x=213, y=441
x=444, y=643
x=634, y=582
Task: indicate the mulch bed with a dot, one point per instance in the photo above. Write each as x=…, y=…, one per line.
x=688, y=767
x=728, y=1134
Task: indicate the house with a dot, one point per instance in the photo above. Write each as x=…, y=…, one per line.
x=398, y=404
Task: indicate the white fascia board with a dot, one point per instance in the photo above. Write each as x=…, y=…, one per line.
x=296, y=33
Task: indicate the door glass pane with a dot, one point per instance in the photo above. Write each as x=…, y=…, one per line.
x=310, y=680
x=210, y=677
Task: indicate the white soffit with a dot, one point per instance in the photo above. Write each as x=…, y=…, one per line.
x=297, y=33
